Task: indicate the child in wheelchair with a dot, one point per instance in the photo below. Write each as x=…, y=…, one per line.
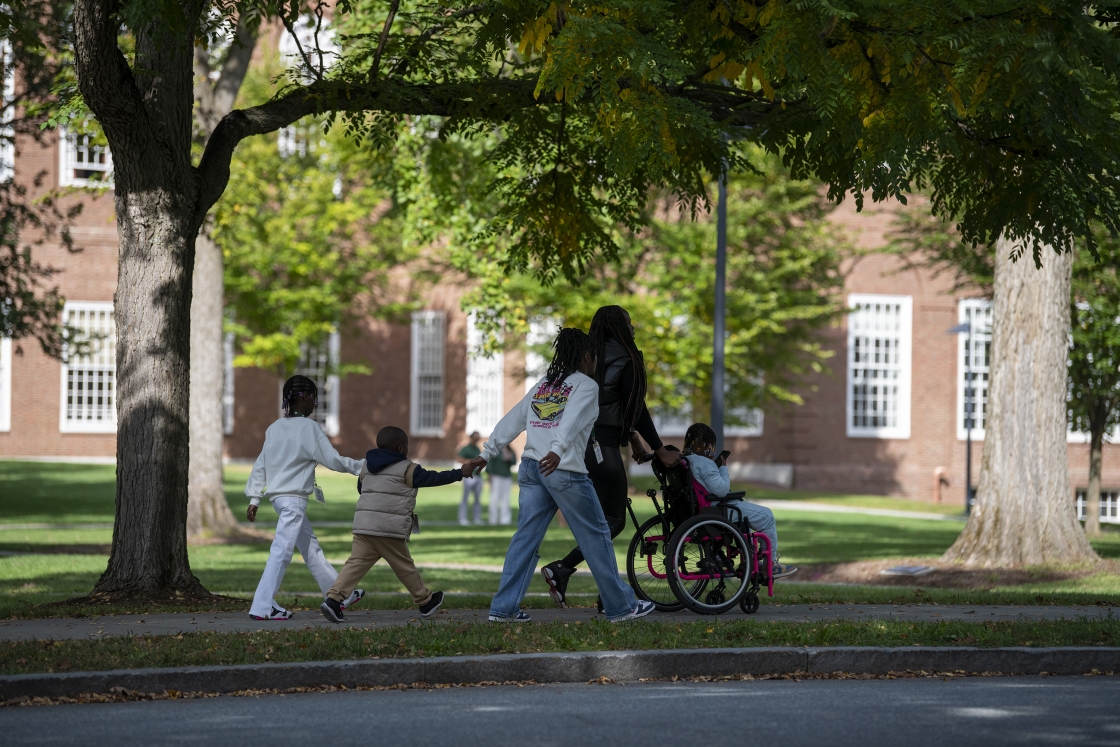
x=711, y=472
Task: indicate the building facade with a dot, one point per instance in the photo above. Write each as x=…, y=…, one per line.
x=890, y=417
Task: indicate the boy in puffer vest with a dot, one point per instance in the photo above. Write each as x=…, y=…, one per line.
x=384, y=519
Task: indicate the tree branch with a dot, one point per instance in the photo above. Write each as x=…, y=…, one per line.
x=375, y=68
x=104, y=77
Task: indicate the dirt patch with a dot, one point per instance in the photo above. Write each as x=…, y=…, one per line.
x=945, y=575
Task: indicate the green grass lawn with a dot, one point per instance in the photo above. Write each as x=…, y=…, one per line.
x=67, y=562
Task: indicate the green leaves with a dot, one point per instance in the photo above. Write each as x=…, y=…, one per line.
x=1094, y=356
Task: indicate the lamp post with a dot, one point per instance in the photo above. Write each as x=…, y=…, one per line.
x=720, y=314
x=966, y=328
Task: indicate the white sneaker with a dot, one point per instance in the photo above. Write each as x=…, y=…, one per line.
x=354, y=598
x=643, y=609
x=521, y=617
x=276, y=614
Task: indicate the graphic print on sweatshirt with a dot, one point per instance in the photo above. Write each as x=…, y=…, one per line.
x=549, y=403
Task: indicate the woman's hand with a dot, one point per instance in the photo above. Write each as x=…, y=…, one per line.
x=251, y=514
x=668, y=458
x=637, y=450
x=549, y=464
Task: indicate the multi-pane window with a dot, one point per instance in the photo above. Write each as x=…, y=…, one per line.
x=879, y=344
x=5, y=384
x=89, y=387
x=427, y=373
x=738, y=421
x=82, y=163
x=7, y=111
x=974, y=358
x=320, y=364
x=484, y=384
x=1110, y=502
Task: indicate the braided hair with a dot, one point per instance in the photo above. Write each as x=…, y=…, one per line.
x=570, y=346
x=610, y=323
x=700, y=439
x=296, y=387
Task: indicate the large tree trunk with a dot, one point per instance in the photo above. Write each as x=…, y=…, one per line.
x=1024, y=512
x=1093, y=491
x=207, y=509
x=147, y=118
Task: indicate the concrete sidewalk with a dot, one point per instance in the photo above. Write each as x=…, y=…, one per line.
x=239, y=622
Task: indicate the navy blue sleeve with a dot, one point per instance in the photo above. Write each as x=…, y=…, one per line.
x=359, y=485
x=423, y=478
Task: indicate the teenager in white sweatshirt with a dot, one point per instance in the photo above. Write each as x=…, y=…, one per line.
x=557, y=416
x=285, y=474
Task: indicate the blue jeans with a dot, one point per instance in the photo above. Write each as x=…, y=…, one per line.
x=761, y=519
x=540, y=497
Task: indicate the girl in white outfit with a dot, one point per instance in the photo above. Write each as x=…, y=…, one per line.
x=285, y=474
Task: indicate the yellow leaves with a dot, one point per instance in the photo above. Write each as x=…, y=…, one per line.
x=537, y=32
x=724, y=69
x=755, y=71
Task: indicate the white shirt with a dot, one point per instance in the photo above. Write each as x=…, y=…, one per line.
x=555, y=418
x=286, y=466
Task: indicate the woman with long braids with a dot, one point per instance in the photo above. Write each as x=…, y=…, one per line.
x=285, y=474
x=621, y=375
x=557, y=416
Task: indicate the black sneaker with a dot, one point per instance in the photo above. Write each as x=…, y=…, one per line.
x=433, y=605
x=599, y=605
x=332, y=610
x=556, y=575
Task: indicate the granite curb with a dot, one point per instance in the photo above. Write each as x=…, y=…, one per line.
x=619, y=666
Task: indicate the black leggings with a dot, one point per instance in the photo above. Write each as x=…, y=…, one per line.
x=609, y=479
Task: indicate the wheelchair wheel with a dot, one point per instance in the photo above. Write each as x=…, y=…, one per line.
x=708, y=548
x=749, y=603
x=645, y=566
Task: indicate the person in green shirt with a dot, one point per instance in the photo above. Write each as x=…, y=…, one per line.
x=498, y=469
x=471, y=484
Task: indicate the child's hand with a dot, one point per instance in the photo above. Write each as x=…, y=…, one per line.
x=251, y=514
x=477, y=464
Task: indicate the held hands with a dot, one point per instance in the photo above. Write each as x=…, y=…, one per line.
x=474, y=466
x=549, y=464
x=251, y=514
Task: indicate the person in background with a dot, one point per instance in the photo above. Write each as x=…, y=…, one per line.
x=501, y=480
x=471, y=484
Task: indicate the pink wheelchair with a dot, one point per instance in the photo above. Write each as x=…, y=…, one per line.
x=699, y=551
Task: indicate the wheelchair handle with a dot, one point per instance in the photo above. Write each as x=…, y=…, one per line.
x=647, y=457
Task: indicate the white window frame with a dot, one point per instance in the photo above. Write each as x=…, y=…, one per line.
x=1110, y=505
x=227, y=383
x=321, y=366
x=105, y=351
x=429, y=330
x=68, y=160
x=904, y=331
x=7, y=112
x=485, y=383
x=980, y=311
x=5, y=385
x=676, y=424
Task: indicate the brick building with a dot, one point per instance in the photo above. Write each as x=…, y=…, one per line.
x=888, y=419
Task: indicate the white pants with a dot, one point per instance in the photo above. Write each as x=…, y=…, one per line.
x=292, y=530
x=471, y=485
x=499, y=499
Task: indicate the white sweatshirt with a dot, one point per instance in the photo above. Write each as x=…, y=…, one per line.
x=286, y=466
x=555, y=418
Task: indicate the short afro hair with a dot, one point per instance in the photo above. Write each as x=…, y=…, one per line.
x=392, y=438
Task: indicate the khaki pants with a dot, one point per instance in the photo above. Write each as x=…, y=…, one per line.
x=366, y=551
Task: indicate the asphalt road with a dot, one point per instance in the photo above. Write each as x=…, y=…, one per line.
x=973, y=711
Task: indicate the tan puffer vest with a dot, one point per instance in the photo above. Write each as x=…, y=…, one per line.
x=387, y=501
